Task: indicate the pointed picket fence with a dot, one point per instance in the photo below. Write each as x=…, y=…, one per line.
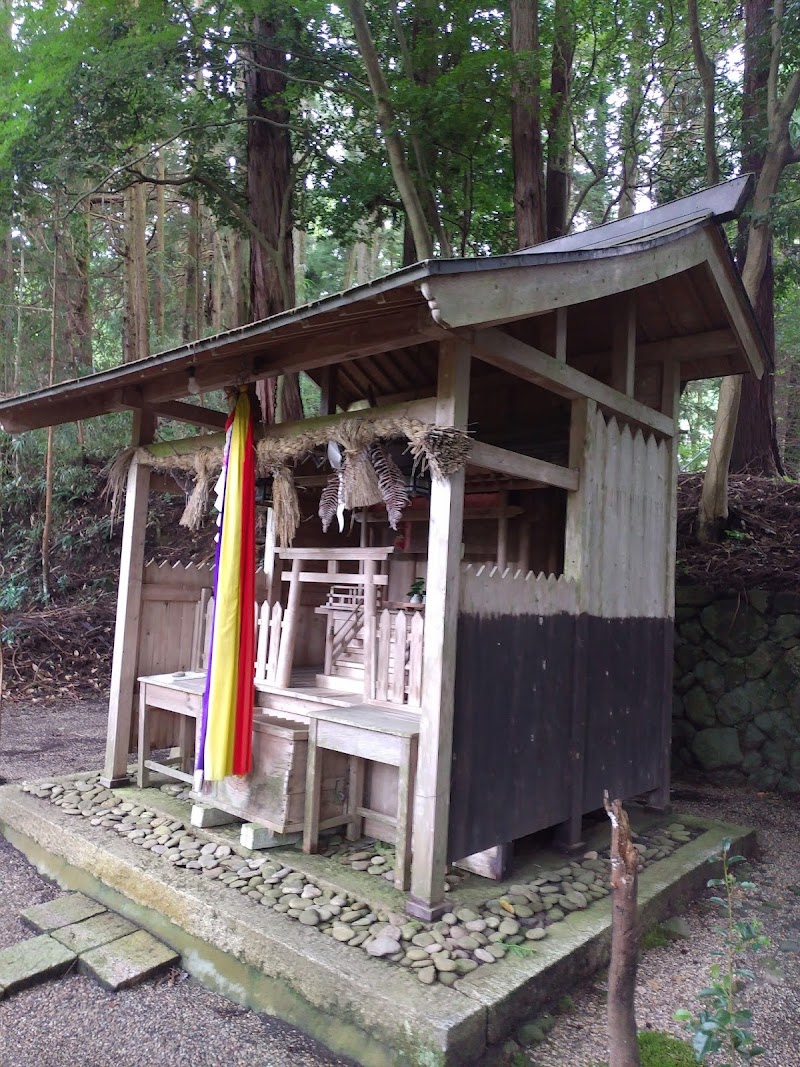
x=492, y=591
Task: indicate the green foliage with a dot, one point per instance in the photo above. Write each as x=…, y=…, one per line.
x=721, y=1025
x=653, y=938
x=659, y=1049
x=523, y=951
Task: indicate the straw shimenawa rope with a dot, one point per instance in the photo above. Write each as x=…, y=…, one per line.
x=369, y=474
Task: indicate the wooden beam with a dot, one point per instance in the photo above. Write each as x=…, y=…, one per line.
x=623, y=349
x=347, y=554
x=561, y=334
x=327, y=399
x=195, y=415
x=432, y=789
x=492, y=458
x=272, y=356
x=515, y=357
x=242, y=356
x=424, y=410
x=340, y=578
x=737, y=304
x=126, y=632
x=131, y=398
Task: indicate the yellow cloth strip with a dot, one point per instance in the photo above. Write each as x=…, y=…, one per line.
x=220, y=732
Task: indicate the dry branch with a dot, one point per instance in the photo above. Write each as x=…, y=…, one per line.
x=623, y=1048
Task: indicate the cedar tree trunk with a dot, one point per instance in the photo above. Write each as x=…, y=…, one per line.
x=559, y=128
x=779, y=152
x=269, y=191
x=755, y=444
x=526, y=125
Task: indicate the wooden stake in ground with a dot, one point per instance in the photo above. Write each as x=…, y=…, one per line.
x=623, y=1047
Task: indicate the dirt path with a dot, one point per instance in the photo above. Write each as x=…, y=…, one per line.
x=73, y=1022
x=670, y=977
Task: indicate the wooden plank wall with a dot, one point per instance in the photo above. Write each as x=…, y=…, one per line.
x=629, y=609
x=560, y=682
x=628, y=534
x=171, y=594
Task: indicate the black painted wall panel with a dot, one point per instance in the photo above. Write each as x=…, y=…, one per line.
x=514, y=714
x=511, y=729
x=625, y=686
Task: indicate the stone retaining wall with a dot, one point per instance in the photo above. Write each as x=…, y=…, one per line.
x=736, y=709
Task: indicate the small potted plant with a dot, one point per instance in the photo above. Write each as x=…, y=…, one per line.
x=416, y=593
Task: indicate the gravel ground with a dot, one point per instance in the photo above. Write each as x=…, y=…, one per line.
x=670, y=978
x=74, y=1022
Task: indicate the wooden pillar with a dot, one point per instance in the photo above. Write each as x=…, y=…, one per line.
x=126, y=632
x=561, y=334
x=524, y=551
x=327, y=399
x=670, y=405
x=272, y=565
x=623, y=355
x=432, y=791
x=289, y=630
x=502, y=533
x=581, y=513
x=370, y=628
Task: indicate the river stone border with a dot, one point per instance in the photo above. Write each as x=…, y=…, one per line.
x=462, y=941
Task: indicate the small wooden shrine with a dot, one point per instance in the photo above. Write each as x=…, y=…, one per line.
x=466, y=601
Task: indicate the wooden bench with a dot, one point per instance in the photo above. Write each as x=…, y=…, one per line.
x=364, y=732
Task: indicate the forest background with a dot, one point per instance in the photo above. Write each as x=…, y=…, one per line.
x=173, y=168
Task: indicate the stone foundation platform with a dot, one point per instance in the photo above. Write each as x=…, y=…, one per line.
x=380, y=1013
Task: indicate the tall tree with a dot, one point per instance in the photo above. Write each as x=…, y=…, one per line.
x=387, y=121
x=755, y=445
x=526, y=125
x=559, y=126
x=780, y=151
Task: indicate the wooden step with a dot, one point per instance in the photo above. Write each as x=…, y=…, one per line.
x=342, y=683
x=348, y=670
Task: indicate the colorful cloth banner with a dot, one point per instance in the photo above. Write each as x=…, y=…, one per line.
x=226, y=731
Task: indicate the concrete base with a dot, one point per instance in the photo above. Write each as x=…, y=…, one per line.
x=253, y=836
x=420, y=909
x=376, y=1013
x=202, y=816
x=115, y=783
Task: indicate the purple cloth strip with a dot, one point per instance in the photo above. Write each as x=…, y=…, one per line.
x=199, y=759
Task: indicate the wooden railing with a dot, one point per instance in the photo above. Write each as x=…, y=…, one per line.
x=392, y=637
x=398, y=669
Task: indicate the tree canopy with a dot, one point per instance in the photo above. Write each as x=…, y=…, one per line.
x=171, y=169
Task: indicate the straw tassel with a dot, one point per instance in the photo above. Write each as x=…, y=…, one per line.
x=285, y=504
x=392, y=484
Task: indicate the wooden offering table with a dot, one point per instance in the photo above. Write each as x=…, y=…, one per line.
x=182, y=694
